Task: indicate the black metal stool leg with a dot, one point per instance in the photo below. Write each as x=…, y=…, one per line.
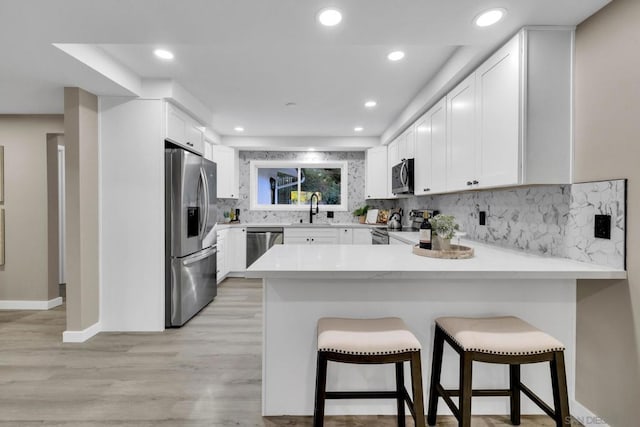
x=514, y=387
x=321, y=389
x=436, y=371
x=400, y=391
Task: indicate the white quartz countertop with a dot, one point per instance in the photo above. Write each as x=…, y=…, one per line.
x=398, y=261
x=222, y=226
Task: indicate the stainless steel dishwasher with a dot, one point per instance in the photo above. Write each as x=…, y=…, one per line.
x=260, y=239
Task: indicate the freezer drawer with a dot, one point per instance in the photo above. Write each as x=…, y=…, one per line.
x=191, y=285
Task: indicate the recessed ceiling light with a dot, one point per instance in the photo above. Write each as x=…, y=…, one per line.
x=329, y=17
x=370, y=104
x=163, y=54
x=238, y=129
x=489, y=17
x=395, y=55
x=358, y=128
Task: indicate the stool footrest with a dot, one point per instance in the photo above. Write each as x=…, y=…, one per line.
x=534, y=397
x=482, y=392
x=363, y=394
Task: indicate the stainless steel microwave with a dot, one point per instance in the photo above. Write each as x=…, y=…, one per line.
x=402, y=177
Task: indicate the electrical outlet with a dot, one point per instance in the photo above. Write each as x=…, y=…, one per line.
x=483, y=218
x=602, y=228
x=329, y=214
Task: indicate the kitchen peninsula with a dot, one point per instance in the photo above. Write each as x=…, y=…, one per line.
x=303, y=283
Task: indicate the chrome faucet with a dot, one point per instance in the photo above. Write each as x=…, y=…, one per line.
x=311, y=213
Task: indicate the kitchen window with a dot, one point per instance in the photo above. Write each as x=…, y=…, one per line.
x=289, y=185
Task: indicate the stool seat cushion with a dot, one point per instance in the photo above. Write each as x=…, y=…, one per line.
x=388, y=335
x=498, y=335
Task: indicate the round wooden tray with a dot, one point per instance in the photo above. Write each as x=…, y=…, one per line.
x=456, y=252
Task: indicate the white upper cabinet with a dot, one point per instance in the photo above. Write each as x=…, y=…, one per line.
x=498, y=117
x=228, y=165
x=377, y=173
x=431, y=151
x=406, y=144
x=509, y=123
x=461, y=135
x=183, y=130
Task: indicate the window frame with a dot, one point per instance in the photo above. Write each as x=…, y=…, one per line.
x=254, y=165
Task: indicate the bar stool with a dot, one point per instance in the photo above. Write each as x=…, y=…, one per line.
x=369, y=341
x=506, y=340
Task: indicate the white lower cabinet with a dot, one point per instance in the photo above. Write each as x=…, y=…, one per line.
x=221, y=259
x=237, y=249
x=310, y=236
x=345, y=236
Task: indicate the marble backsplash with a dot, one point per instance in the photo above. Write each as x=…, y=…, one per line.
x=355, y=199
x=556, y=220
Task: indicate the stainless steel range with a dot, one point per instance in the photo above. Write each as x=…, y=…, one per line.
x=380, y=235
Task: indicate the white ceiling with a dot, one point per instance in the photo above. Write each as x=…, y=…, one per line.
x=244, y=59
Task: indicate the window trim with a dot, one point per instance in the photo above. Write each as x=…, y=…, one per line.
x=254, y=165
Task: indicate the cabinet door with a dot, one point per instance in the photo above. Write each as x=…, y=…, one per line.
x=183, y=130
x=194, y=137
x=176, y=125
x=498, y=117
x=296, y=240
x=422, y=166
x=226, y=159
x=222, y=255
x=377, y=173
x=323, y=240
x=406, y=147
x=237, y=244
x=461, y=138
x=392, y=160
x=438, y=137
x=362, y=236
x=345, y=236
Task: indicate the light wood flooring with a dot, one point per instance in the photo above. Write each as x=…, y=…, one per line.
x=206, y=373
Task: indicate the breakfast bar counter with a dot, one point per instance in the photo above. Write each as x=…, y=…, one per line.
x=303, y=283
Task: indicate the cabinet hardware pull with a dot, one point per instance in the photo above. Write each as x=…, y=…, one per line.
x=469, y=183
x=427, y=189
x=475, y=181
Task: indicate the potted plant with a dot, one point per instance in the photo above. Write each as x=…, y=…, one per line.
x=444, y=228
x=361, y=213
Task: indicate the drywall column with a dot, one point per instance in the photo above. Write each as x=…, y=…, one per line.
x=53, y=140
x=606, y=147
x=82, y=196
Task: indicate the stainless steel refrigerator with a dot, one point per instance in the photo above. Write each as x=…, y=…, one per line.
x=190, y=248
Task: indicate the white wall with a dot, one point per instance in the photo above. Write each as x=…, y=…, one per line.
x=132, y=214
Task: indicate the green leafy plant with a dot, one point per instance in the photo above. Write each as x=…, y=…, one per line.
x=362, y=211
x=444, y=226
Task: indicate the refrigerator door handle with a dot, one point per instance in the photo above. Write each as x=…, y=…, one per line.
x=205, y=188
x=192, y=259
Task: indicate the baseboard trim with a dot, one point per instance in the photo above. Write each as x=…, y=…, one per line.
x=30, y=305
x=81, y=336
x=585, y=416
